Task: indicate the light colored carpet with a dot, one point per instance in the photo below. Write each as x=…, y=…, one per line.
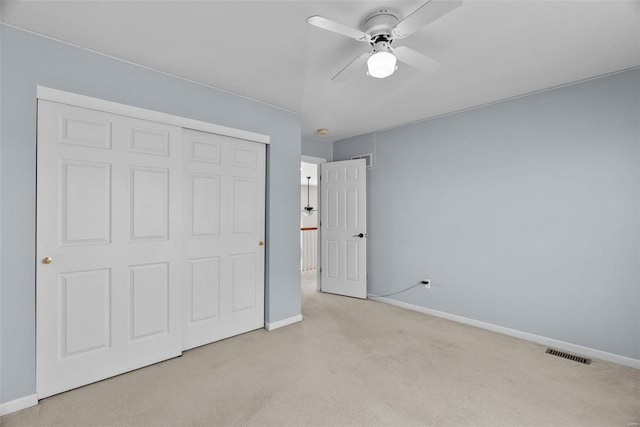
x=353, y=362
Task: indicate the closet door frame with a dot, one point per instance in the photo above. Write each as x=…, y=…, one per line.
x=84, y=101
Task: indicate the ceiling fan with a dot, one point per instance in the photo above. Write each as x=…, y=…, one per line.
x=380, y=29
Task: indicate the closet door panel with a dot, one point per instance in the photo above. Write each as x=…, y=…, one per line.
x=224, y=211
x=109, y=234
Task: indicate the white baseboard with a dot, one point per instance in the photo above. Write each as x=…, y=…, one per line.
x=538, y=339
x=18, y=404
x=284, y=322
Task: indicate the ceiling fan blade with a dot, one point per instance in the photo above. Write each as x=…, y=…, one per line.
x=326, y=24
x=425, y=14
x=352, y=68
x=415, y=59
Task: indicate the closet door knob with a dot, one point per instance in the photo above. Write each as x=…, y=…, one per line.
x=47, y=260
x=260, y=243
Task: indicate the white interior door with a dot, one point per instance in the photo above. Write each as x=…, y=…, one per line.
x=108, y=245
x=343, y=216
x=224, y=210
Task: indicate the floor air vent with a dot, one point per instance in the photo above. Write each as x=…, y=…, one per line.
x=569, y=356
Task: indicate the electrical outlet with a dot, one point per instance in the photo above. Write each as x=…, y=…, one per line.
x=426, y=283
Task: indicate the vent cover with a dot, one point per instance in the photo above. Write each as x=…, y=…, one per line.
x=368, y=158
x=573, y=357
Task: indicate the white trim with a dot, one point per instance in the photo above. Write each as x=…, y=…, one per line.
x=156, y=70
x=486, y=104
x=538, y=339
x=18, y=404
x=84, y=101
x=284, y=322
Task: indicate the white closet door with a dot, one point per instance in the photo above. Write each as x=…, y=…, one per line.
x=224, y=210
x=108, y=245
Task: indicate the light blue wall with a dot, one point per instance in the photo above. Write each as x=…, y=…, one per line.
x=29, y=60
x=356, y=146
x=317, y=148
x=524, y=214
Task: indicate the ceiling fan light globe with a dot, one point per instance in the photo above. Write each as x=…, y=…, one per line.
x=381, y=64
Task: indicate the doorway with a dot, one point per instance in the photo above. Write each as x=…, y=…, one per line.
x=309, y=224
x=333, y=227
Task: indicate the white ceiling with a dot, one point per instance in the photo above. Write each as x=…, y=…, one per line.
x=490, y=50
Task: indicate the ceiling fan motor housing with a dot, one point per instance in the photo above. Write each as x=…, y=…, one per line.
x=381, y=46
x=379, y=25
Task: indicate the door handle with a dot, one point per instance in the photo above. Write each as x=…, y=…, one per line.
x=361, y=235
